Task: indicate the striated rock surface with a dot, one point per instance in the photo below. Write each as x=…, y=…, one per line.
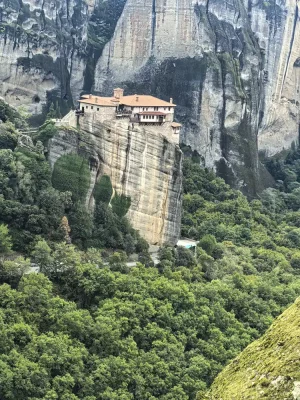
x=141, y=164
x=48, y=49
x=232, y=66
x=278, y=33
x=206, y=56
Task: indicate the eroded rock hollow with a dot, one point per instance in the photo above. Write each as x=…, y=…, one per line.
x=231, y=66
x=141, y=165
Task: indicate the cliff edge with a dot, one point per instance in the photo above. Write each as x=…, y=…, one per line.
x=266, y=369
x=141, y=164
x=231, y=66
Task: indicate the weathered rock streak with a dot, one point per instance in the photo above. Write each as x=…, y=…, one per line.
x=232, y=67
x=141, y=164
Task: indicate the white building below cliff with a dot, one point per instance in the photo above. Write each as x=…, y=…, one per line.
x=150, y=112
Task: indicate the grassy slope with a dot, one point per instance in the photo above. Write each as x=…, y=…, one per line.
x=266, y=369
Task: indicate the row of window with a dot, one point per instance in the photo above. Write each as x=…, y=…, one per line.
x=144, y=108
x=156, y=108
x=92, y=107
x=149, y=117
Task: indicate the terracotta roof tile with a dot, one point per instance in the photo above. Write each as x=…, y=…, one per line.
x=100, y=101
x=144, y=101
x=131, y=101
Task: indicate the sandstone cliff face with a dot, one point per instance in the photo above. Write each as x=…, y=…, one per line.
x=232, y=66
x=48, y=49
x=205, y=55
x=142, y=165
x=278, y=35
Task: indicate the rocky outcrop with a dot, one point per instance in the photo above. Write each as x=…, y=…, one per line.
x=141, y=164
x=268, y=368
x=48, y=49
x=231, y=66
x=278, y=32
x=212, y=67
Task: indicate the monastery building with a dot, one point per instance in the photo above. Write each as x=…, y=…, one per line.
x=147, y=111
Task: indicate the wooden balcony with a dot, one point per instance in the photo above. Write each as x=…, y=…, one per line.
x=123, y=113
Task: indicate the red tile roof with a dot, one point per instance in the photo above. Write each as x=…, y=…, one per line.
x=144, y=101
x=131, y=101
x=99, y=101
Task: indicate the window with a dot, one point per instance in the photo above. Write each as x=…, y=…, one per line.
x=86, y=107
x=98, y=109
x=92, y=107
x=169, y=108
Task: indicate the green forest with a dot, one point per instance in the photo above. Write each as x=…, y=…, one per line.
x=87, y=326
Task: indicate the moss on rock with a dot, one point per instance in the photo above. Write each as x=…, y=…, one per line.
x=103, y=190
x=71, y=173
x=267, y=369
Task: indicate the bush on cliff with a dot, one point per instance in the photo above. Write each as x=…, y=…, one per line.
x=103, y=190
x=46, y=132
x=10, y=114
x=71, y=173
x=32, y=208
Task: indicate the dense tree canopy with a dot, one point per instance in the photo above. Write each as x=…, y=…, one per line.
x=34, y=200
x=87, y=326
x=87, y=329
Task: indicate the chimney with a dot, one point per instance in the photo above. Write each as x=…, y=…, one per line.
x=118, y=93
x=90, y=96
x=96, y=99
x=171, y=100
x=137, y=97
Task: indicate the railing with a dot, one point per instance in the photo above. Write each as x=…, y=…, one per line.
x=123, y=113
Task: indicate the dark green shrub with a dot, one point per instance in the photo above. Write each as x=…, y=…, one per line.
x=103, y=190
x=7, y=113
x=46, y=132
x=208, y=243
x=121, y=204
x=8, y=139
x=72, y=174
